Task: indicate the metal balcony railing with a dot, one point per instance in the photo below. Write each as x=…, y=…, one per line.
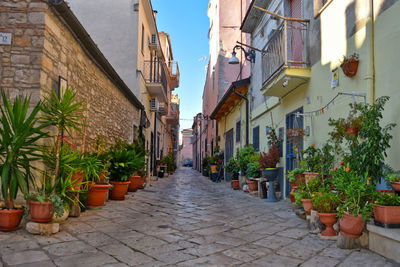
x=287, y=47
x=153, y=72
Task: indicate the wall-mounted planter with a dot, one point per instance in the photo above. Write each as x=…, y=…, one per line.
x=350, y=65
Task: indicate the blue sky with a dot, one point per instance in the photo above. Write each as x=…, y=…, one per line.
x=187, y=24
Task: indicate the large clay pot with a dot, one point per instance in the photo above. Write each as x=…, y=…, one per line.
x=41, y=212
x=77, y=179
x=396, y=186
x=10, y=219
x=329, y=219
x=252, y=184
x=387, y=214
x=137, y=182
x=119, y=190
x=97, y=195
x=307, y=205
x=310, y=175
x=293, y=187
x=352, y=226
x=235, y=185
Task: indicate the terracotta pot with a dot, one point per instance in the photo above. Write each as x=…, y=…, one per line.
x=292, y=197
x=235, y=185
x=137, y=182
x=10, y=219
x=300, y=178
x=77, y=179
x=352, y=131
x=97, y=194
x=387, y=214
x=396, y=186
x=308, y=176
x=329, y=219
x=102, y=177
x=307, y=205
x=41, y=212
x=119, y=190
x=350, y=68
x=252, y=184
x=352, y=226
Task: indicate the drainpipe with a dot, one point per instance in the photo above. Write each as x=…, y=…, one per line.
x=154, y=145
x=371, y=53
x=247, y=113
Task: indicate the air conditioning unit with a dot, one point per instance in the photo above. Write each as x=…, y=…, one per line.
x=162, y=108
x=154, y=104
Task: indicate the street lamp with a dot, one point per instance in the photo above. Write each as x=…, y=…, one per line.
x=250, y=55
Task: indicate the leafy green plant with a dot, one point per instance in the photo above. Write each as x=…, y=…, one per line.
x=306, y=190
x=312, y=158
x=341, y=126
x=65, y=114
x=388, y=200
x=293, y=173
x=232, y=167
x=393, y=177
x=253, y=169
x=245, y=156
x=169, y=160
x=205, y=162
x=368, y=151
x=20, y=132
x=326, y=201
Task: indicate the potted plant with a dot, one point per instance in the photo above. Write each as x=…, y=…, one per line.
x=19, y=132
x=204, y=165
x=268, y=163
x=394, y=179
x=349, y=65
x=346, y=128
x=312, y=162
x=387, y=210
x=45, y=203
x=295, y=177
x=253, y=171
x=232, y=167
x=358, y=196
x=325, y=203
x=305, y=192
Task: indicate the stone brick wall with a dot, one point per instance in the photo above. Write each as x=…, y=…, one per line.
x=43, y=49
x=20, y=63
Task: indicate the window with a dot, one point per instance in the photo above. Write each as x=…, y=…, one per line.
x=212, y=147
x=256, y=138
x=142, y=39
x=213, y=80
x=237, y=131
x=205, y=145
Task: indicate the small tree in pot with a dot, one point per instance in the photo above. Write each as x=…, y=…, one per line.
x=233, y=168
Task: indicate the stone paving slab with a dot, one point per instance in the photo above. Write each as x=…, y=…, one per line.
x=183, y=220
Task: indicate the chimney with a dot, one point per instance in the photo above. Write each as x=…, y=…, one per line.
x=155, y=14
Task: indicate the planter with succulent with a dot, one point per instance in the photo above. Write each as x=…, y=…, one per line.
x=387, y=210
x=394, y=179
x=325, y=203
x=20, y=130
x=349, y=65
x=253, y=172
x=233, y=168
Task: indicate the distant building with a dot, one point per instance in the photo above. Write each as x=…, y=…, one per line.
x=186, y=150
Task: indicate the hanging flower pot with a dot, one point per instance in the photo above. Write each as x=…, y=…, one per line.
x=350, y=65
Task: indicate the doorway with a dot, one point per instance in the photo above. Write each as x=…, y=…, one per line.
x=228, y=148
x=292, y=121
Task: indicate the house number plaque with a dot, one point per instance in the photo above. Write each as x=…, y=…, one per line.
x=5, y=38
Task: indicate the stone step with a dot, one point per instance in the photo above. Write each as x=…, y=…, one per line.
x=385, y=241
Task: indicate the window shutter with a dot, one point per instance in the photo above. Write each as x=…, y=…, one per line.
x=256, y=138
x=238, y=132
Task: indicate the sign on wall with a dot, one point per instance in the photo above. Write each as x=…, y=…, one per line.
x=5, y=38
x=335, y=78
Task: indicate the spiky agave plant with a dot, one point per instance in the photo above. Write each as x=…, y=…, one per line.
x=20, y=131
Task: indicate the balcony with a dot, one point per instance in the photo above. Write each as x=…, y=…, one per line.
x=285, y=62
x=173, y=68
x=173, y=116
x=156, y=82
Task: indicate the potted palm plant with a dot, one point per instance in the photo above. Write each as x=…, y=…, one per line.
x=19, y=132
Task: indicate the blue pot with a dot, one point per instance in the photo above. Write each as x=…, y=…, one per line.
x=270, y=174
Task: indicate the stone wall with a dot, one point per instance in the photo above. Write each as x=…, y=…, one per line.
x=110, y=114
x=20, y=62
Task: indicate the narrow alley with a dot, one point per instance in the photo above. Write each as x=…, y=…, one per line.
x=183, y=220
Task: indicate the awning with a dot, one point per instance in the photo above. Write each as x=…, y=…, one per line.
x=230, y=99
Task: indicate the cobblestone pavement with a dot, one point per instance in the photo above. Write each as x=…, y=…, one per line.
x=183, y=220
